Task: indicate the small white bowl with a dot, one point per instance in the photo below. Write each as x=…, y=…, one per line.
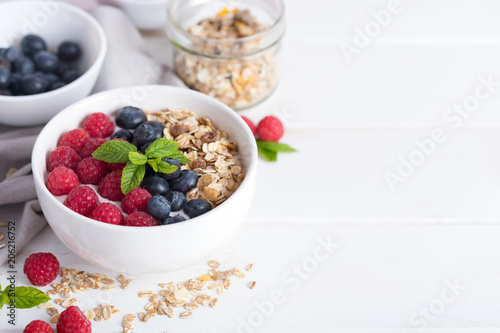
x=137, y=250
x=145, y=14
x=56, y=22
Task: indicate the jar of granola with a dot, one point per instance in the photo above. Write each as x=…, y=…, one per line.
x=227, y=49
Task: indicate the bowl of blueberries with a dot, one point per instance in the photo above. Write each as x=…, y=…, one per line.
x=51, y=54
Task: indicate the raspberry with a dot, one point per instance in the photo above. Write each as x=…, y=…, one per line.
x=107, y=213
x=136, y=200
x=250, y=124
x=270, y=129
x=65, y=156
x=98, y=125
x=91, y=146
x=76, y=139
x=91, y=171
x=72, y=320
x=61, y=181
x=115, y=166
x=140, y=219
x=110, y=186
x=38, y=326
x=41, y=268
x=82, y=200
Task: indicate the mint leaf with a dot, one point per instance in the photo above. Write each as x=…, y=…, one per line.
x=132, y=176
x=4, y=298
x=137, y=158
x=26, y=297
x=154, y=163
x=275, y=146
x=268, y=155
x=177, y=155
x=161, y=147
x=164, y=167
x=114, y=151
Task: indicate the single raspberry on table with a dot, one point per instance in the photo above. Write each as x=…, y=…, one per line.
x=136, y=200
x=63, y=156
x=82, y=200
x=110, y=186
x=270, y=129
x=72, y=320
x=76, y=139
x=98, y=125
x=108, y=213
x=61, y=181
x=140, y=219
x=41, y=268
x=38, y=326
x=250, y=124
x=91, y=146
x=91, y=171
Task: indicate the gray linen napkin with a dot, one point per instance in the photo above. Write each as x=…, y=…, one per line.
x=126, y=64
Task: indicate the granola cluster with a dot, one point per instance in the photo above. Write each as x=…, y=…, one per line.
x=232, y=75
x=214, y=157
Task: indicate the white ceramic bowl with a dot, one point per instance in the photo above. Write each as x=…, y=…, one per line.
x=138, y=250
x=55, y=21
x=145, y=14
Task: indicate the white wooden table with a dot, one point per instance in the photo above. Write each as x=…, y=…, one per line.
x=336, y=247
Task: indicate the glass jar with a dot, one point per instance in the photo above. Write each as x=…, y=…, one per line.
x=239, y=71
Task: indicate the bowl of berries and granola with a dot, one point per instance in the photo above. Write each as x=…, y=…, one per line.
x=149, y=187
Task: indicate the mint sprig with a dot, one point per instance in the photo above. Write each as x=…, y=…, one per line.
x=269, y=150
x=23, y=297
x=117, y=151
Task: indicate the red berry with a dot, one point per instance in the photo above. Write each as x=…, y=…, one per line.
x=270, y=129
x=41, y=268
x=140, y=219
x=250, y=124
x=61, y=181
x=38, y=326
x=91, y=146
x=82, y=200
x=115, y=166
x=91, y=171
x=64, y=156
x=136, y=200
x=76, y=139
x=98, y=125
x=110, y=186
x=72, y=320
x=107, y=213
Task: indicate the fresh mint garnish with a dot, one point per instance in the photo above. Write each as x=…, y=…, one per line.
x=269, y=150
x=117, y=151
x=23, y=297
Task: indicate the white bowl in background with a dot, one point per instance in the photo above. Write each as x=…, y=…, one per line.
x=137, y=250
x=55, y=22
x=145, y=14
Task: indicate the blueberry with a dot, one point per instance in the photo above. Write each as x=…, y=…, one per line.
x=145, y=146
x=65, y=67
x=122, y=134
x=186, y=181
x=16, y=83
x=70, y=76
x=157, y=126
x=173, y=175
x=176, y=200
x=4, y=77
x=196, y=207
x=155, y=185
x=56, y=85
x=144, y=134
x=5, y=92
x=34, y=84
x=31, y=44
x=46, y=62
x=173, y=219
x=52, y=78
x=69, y=51
x=158, y=207
x=12, y=54
x=24, y=66
x=130, y=117
x=4, y=62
